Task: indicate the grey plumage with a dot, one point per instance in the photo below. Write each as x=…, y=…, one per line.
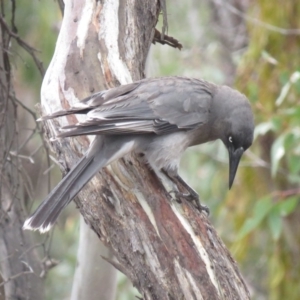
x=159, y=117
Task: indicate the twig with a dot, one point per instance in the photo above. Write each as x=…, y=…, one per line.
x=163, y=8
x=232, y=9
x=166, y=40
x=24, y=45
x=286, y=193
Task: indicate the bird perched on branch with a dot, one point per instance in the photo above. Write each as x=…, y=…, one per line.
x=159, y=117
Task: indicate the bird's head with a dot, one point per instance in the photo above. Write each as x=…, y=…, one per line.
x=238, y=139
x=235, y=126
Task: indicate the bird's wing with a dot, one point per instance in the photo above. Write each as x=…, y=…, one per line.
x=95, y=100
x=160, y=105
x=184, y=102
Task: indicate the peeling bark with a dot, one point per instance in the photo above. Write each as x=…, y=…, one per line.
x=168, y=250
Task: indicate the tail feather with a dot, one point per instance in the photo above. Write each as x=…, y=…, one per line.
x=46, y=214
x=67, y=191
x=101, y=152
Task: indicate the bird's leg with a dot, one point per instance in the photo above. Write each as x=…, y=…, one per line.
x=191, y=194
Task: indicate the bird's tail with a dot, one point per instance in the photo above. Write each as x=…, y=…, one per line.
x=98, y=156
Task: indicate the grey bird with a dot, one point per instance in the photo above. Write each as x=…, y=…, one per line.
x=159, y=117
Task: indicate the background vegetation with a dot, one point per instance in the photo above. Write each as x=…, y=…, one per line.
x=259, y=218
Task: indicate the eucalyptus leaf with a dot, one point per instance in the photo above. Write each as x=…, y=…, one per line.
x=263, y=128
x=275, y=223
x=260, y=211
x=288, y=206
x=277, y=152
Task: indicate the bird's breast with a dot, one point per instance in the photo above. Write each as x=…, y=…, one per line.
x=165, y=151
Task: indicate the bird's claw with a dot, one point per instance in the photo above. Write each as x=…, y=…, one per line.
x=191, y=198
x=195, y=199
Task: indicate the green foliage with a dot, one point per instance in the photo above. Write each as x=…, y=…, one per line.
x=272, y=213
x=37, y=23
x=271, y=79
x=260, y=211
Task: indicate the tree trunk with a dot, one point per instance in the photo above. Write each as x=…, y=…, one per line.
x=168, y=250
x=94, y=276
x=231, y=31
x=19, y=266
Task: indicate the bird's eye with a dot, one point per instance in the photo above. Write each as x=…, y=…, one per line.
x=230, y=139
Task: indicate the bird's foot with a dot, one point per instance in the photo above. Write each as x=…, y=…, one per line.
x=194, y=198
x=191, y=197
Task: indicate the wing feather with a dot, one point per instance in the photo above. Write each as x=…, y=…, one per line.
x=159, y=105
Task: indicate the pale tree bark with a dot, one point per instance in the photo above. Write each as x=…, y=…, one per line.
x=94, y=276
x=168, y=250
x=19, y=265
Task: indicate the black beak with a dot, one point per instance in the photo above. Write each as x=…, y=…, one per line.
x=234, y=159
